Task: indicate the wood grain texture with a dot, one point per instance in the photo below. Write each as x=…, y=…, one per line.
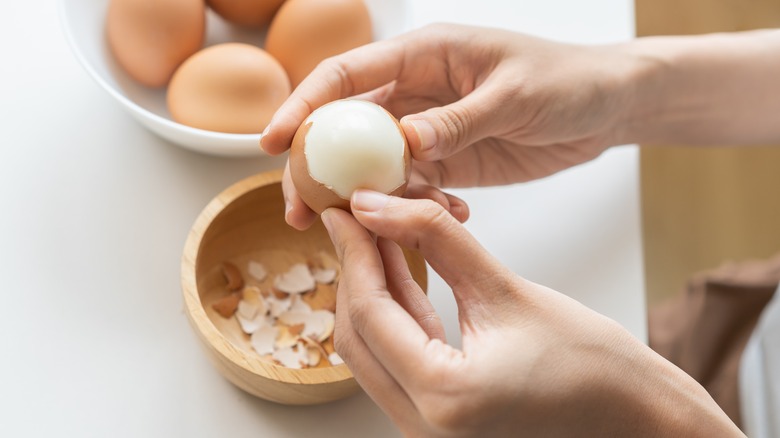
x=245, y=222
x=701, y=207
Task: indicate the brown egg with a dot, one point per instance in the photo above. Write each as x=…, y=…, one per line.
x=150, y=39
x=246, y=12
x=304, y=32
x=347, y=145
x=230, y=87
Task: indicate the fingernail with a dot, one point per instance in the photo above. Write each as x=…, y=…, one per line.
x=369, y=201
x=262, y=136
x=287, y=209
x=425, y=134
x=327, y=220
x=460, y=212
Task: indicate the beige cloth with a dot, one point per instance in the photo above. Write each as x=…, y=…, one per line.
x=705, y=330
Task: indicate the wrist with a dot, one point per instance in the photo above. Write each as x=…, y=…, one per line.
x=660, y=399
x=645, y=76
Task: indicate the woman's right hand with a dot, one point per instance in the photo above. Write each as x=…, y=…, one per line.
x=533, y=362
x=479, y=106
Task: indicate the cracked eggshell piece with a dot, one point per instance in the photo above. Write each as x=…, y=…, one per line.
x=296, y=280
x=346, y=145
x=257, y=270
x=298, y=305
x=253, y=296
x=291, y=358
x=328, y=323
x=246, y=309
x=251, y=325
x=285, y=338
x=277, y=306
x=318, y=324
x=313, y=355
x=227, y=305
x=263, y=340
x=335, y=359
x=323, y=276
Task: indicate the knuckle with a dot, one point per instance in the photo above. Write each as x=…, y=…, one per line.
x=342, y=342
x=432, y=219
x=337, y=68
x=428, y=320
x=360, y=308
x=427, y=217
x=457, y=122
x=345, y=344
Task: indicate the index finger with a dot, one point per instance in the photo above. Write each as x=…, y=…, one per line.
x=391, y=334
x=356, y=71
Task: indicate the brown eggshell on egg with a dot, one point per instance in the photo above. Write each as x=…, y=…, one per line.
x=246, y=12
x=319, y=196
x=305, y=32
x=150, y=39
x=231, y=87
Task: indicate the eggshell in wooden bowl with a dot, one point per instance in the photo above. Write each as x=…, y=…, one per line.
x=243, y=223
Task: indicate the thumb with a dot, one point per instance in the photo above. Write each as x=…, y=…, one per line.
x=440, y=132
x=424, y=225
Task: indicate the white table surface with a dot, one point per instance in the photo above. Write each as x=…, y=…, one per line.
x=95, y=210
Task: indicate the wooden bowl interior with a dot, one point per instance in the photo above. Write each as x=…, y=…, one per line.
x=252, y=227
x=246, y=222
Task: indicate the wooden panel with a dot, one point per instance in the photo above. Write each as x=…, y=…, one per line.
x=701, y=207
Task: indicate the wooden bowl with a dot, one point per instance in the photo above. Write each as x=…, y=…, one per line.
x=245, y=222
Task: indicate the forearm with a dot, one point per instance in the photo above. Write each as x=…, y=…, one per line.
x=710, y=89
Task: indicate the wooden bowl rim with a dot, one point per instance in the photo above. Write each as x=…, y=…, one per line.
x=197, y=315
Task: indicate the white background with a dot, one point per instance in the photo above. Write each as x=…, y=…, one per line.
x=94, y=211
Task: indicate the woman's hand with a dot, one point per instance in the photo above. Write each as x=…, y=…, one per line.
x=478, y=106
x=533, y=362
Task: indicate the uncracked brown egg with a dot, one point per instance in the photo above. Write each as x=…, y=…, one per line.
x=231, y=87
x=305, y=32
x=348, y=145
x=150, y=39
x=246, y=12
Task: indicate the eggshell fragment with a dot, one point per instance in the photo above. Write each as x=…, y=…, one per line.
x=298, y=305
x=346, y=145
x=251, y=325
x=231, y=87
x=263, y=340
x=285, y=338
x=335, y=359
x=253, y=296
x=305, y=32
x=150, y=39
x=257, y=270
x=227, y=306
x=323, y=276
x=244, y=12
x=246, y=309
x=292, y=358
x=314, y=356
x=296, y=280
x=277, y=306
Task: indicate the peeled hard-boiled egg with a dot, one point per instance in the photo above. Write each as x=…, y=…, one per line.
x=231, y=87
x=246, y=12
x=305, y=32
x=150, y=39
x=348, y=145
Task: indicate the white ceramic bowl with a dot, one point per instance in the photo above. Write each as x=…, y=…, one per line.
x=83, y=22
